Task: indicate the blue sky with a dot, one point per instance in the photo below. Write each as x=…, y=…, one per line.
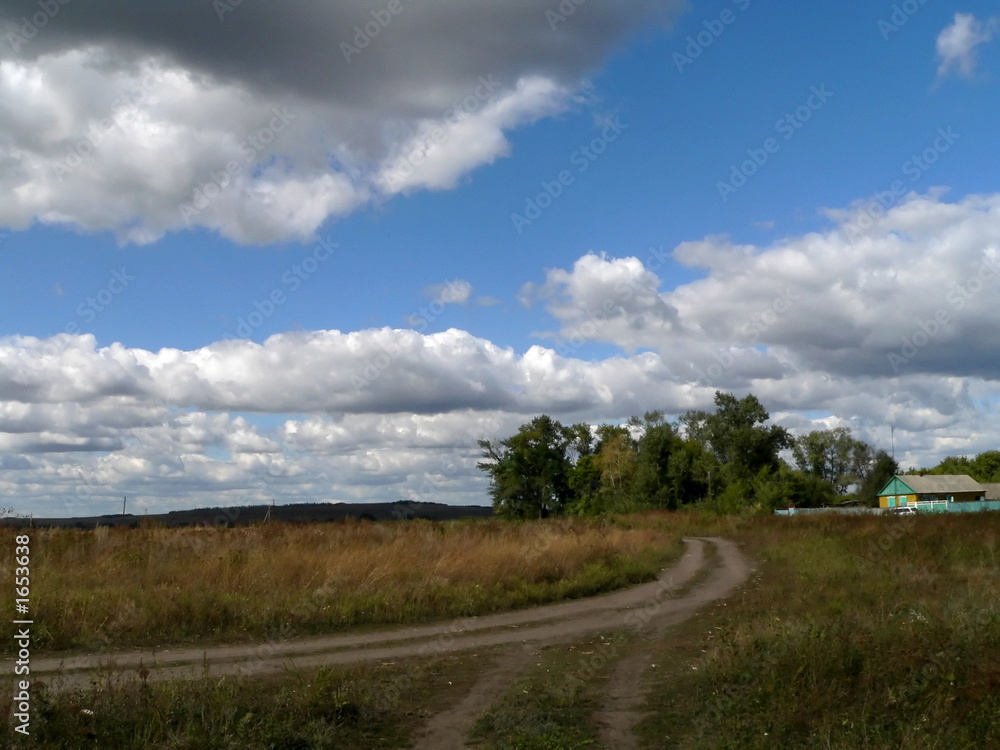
x=327, y=263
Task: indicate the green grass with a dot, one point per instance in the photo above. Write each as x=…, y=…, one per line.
x=874, y=632
x=855, y=633
x=350, y=707
x=551, y=707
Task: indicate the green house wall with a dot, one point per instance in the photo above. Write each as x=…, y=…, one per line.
x=896, y=486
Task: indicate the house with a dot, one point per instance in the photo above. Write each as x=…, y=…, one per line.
x=992, y=490
x=901, y=491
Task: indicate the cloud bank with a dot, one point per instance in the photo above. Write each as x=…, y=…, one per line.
x=885, y=319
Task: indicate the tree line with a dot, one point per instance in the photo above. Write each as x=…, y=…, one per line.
x=730, y=460
x=984, y=467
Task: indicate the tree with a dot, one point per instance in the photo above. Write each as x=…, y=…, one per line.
x=585, y=487
x=884, y=468
x=738, y=436
x=954, y=465
x=529, y=471
x=986, y=467
x=983, y=468
x=616, y=458
x=651, y=486
x=833, y=455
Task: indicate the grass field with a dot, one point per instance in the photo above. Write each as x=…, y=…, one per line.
x=155, y=586
x=879, y=632
x=876, y=632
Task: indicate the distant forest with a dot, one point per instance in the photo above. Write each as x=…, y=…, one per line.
x=729, y=460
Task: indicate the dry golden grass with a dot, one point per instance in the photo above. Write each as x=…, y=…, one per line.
x=149, y=586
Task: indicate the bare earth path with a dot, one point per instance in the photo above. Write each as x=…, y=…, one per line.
x=650, y=607
x=619, y=714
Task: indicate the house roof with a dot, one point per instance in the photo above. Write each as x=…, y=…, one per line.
x=938, y=483
x=992, y=490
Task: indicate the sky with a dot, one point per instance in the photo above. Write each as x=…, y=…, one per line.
x=309, y=253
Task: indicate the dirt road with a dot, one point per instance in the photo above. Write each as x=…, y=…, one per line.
x=647, y=609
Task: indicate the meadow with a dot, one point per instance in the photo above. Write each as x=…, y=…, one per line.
x=154, y=586
x=870, y=632
x=874, y=632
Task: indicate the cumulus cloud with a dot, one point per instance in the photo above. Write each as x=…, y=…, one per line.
x=275, y=117
x=885, y=319
x=956, y=44
x=843, y=301
x=610, y=299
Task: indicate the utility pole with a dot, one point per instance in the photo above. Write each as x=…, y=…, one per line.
x=892, y=437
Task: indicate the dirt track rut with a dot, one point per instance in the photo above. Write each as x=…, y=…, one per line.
x=648, y=608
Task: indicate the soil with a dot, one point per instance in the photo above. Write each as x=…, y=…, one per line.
x=648, y=610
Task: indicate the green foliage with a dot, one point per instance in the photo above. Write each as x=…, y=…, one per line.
x=585, y=486
x=529, y=472
x=325, y=707
x=833, y=455
x=728, y=459
x=884, y=468
x=983, y=468
x=656, y=449
x=738, y=436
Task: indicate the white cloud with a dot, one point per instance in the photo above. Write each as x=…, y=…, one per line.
x=455, y=292
x=811, y=324
x=956, y=44
x=840, y=301
x=609, y=299
x=267, y=127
